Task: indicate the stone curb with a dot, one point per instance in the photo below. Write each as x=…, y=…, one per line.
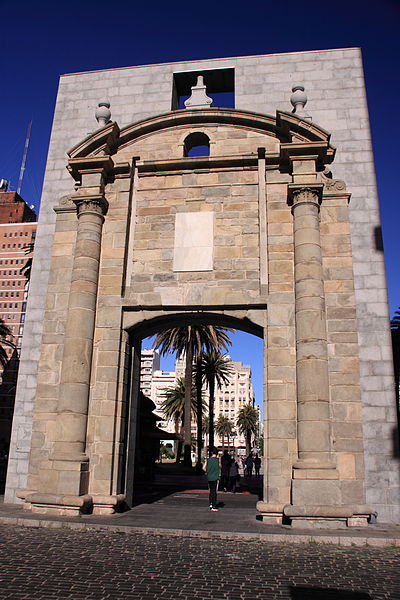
x=291, y=538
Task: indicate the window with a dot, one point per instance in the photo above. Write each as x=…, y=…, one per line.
x=196, y=144
x=220, y=86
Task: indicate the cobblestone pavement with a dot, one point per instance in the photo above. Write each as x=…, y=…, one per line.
x=46, y=564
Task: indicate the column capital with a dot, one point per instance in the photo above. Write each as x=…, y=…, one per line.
x=305, y=194
x=92, y=204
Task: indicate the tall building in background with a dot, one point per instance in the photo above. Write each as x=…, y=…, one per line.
x=17, y=236
x=149, y=362
x=229, y=398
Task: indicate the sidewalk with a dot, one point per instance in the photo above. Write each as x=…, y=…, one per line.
x=178, y=506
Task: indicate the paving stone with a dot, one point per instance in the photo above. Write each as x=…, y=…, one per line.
x=87, y=565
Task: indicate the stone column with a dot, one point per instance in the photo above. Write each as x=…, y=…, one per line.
x=313, y=430
x=78, y=347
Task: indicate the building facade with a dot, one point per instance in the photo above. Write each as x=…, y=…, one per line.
x=17, y=236
x=149, y=363
x=273, y=230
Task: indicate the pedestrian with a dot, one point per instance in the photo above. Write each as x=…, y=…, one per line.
x=257, y=465
x=233, y=475
x=249, y=465
x=225, y=465
x=240, y=465
x=211, y=468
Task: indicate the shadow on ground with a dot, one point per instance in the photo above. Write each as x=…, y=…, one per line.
x=172, y=478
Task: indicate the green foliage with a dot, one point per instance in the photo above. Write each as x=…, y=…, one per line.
x=190, y=340
x=167, y=452
x=173, y=406
x=216, y=369
x=247, y=423
x=224, y=427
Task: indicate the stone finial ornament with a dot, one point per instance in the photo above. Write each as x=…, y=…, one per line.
x=199, y=98
x=103, y=113
x=299, y=100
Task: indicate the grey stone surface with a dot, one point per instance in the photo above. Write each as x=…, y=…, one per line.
x=337, y=101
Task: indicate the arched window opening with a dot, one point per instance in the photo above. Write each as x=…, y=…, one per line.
x=196, y=144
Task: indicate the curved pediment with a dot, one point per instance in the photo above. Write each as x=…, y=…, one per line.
x=286, y=127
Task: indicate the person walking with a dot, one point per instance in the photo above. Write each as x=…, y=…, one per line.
x=211, y=468
x=233, y=476
x=249, y=465
x=257, y=465
x=225, y=465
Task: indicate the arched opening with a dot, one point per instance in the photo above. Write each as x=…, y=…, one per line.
x=150, y=474
x=196, y=144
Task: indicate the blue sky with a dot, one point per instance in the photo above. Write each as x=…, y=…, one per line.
x=43, y=39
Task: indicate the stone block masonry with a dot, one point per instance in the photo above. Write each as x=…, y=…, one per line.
x=137, y=265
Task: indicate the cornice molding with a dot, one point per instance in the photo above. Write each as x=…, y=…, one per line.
x=284, y=126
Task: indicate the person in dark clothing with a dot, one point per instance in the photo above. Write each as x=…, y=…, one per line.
x=249, y=465
x=233, y=476
x=257, y=465
x=225, y=465
x=211, y=468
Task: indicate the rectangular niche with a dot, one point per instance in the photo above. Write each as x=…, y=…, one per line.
x=194, y=241
x=220, y=84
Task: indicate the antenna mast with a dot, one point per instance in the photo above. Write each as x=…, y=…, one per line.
x=21, y=173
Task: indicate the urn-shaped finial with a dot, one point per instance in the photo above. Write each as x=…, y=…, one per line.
x=299, y=100
x=103, y=113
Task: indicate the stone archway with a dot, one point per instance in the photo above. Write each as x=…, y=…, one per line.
x=139, y=329
x=149, y=232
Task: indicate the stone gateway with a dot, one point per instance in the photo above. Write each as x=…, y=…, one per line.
x=257, y=217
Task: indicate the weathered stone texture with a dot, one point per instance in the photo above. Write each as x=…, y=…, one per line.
x=136, y=262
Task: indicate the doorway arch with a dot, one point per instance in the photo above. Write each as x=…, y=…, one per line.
x=137, y=329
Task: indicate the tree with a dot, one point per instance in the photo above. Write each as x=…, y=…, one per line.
x=247, y=422
x=190, y=340
x=216, y=369
x=5, y=333
x=205, y=428
x=173, y=407
x=224, y=428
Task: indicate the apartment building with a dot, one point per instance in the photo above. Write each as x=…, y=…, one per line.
x=17, y=236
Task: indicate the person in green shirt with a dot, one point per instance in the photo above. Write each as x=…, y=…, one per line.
x=212, y=470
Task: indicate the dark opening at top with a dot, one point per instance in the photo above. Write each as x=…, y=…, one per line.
x=220, y=84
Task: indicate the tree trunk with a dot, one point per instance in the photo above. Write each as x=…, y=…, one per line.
x=199, y=468
x=248, y=442
x=211, y=386
x=179, y=446
x=187, y=461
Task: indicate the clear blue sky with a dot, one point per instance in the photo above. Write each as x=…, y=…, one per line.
x=43, y=39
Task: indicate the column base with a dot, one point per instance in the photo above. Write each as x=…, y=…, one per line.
x=72, y=506
x=108, y=505
x=271, y=514
x=327, y=517
x=53, y=504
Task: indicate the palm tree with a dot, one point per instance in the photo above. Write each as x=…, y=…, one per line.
x=247, y=422
x=173, y=407
x=5, y=333
x=216, y=368
x=224, y=427
x=190, y=340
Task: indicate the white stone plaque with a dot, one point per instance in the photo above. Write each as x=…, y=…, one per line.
x=194, y=241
